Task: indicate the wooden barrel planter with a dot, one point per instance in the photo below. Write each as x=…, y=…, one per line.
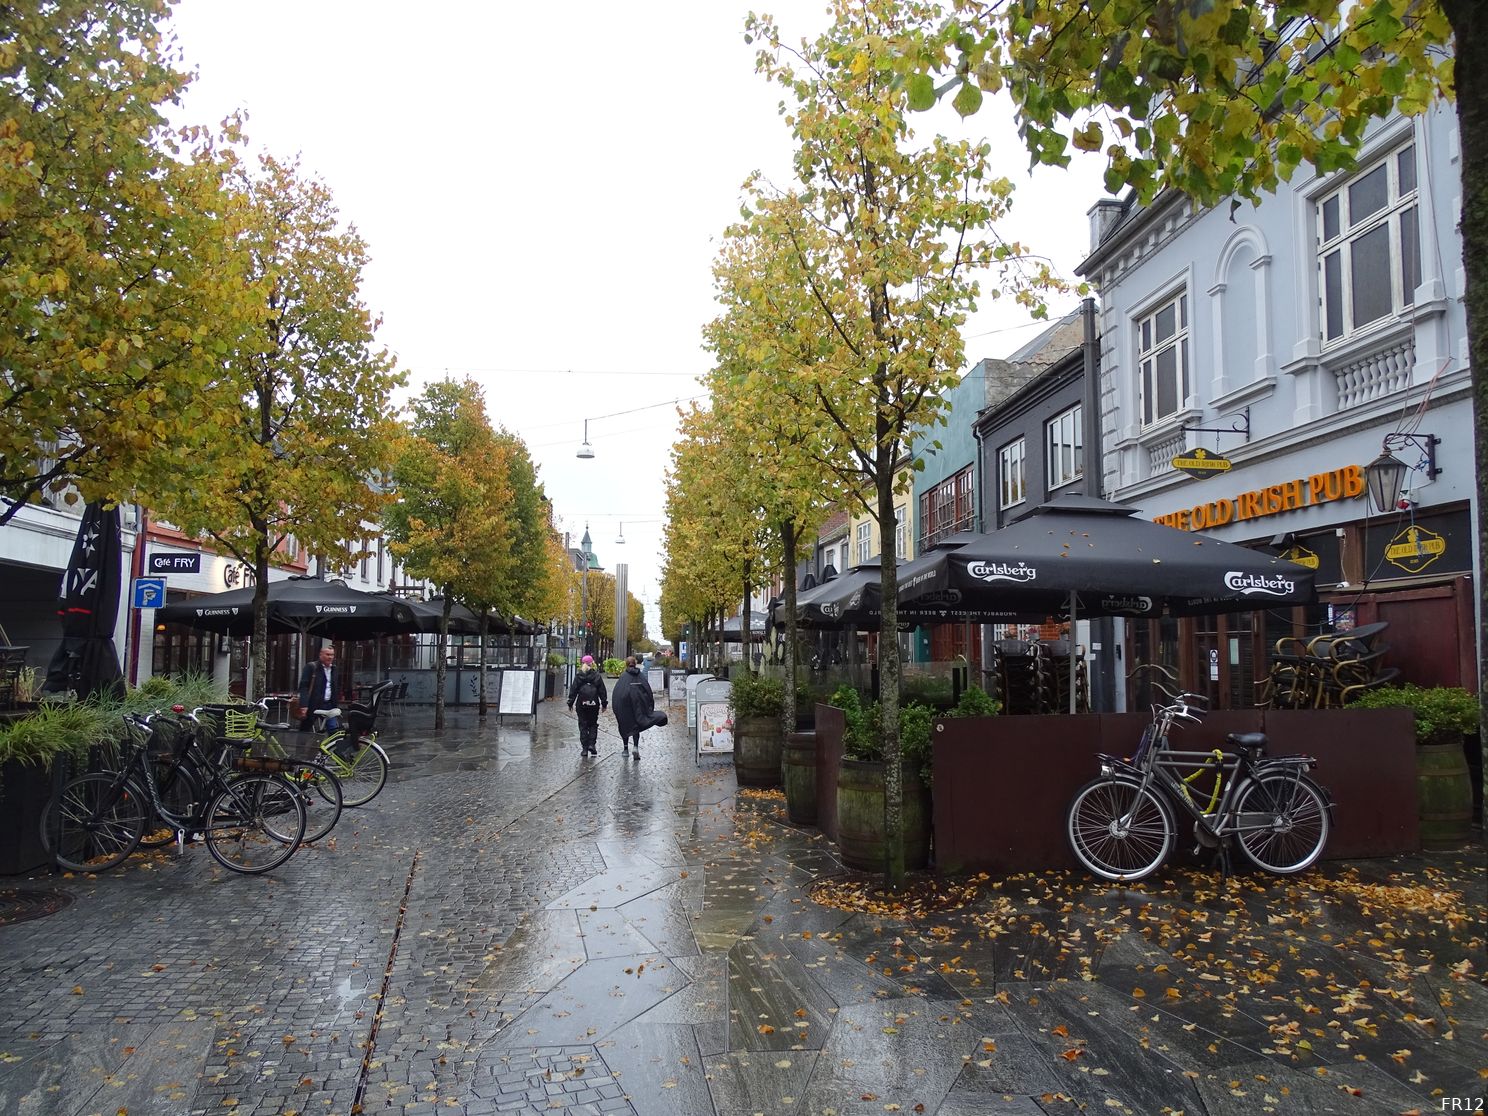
x=1445, y=794
x=757, y=747
x=860, y=816
x=799, y=770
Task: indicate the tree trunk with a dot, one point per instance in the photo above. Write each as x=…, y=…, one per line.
x=886, y=446
x=744, y=625
x=441, y=649
x=788, y=545
x=1470, y=27
x=260, y=617
x=485, y=624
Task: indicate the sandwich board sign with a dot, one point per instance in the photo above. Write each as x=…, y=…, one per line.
x=715, y=720
x=693, y=682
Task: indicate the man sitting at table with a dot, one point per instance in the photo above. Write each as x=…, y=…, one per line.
x=321, y=687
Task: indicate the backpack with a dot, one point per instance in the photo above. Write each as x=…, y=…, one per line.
x=588, y=693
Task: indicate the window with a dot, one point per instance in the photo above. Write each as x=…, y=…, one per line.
x=380, y=560
x=1369, y=252
x=947, y=508
x=1066, y=448
x=1010, y=478
x=865, y=542
x=1162, y=356
x=901, y=533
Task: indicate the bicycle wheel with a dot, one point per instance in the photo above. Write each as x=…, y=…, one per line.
x=362, y=776
x=1282, y=822
x=320, y=791
x=1118, y=830
x=94, y=823
x=179, y=787
x=255, y=823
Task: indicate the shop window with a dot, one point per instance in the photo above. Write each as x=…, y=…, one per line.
x=1369, y=253
x=1162, y=358
x=901, y=532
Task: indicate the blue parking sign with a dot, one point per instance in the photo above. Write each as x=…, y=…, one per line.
x=149, y=592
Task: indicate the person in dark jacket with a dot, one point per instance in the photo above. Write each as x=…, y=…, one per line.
x=587, y=697
x=633, y=704
x=321, y=687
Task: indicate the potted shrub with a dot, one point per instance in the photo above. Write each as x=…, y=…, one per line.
x=613, y=667
x=757, y=702
x=861, y=835
x=1444, y=715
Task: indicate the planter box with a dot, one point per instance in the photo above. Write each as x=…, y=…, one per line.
x=1002, y=784
x=24, y=791
x=831, y=725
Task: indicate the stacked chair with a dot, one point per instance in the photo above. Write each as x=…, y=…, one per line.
x=1032, y=676
x=1327, y=671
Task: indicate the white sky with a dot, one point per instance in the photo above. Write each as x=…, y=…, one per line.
x=542, y=188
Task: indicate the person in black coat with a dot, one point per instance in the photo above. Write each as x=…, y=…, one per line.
x=586, y=695
x=633, y=704
x=321, y=687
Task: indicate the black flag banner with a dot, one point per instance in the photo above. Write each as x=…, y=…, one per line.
x=85, y=661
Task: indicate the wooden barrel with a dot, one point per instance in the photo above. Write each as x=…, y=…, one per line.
x=799, y=770
x=757, y=748
x=1445, y=795
x=860, y=816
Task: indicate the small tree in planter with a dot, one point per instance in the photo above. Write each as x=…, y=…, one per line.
x=757, y=702
x=1445, y=789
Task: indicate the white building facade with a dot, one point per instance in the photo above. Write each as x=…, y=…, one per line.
x=1290, y=339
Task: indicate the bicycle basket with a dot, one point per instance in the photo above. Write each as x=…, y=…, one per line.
x=240, y=723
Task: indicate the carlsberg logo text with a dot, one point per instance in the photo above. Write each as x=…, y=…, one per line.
x=1249, y=584
x=1001, y=571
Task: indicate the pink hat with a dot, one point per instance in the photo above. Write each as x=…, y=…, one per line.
x=588, y=659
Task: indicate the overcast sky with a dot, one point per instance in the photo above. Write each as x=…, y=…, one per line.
x=542, y=188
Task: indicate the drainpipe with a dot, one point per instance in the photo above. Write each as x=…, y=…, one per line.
x=1105, y=664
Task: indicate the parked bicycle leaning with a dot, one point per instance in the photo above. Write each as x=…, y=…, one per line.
x=1122, y=825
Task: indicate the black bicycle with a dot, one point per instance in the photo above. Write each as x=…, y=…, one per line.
x=1122, y=825
x=251, y=822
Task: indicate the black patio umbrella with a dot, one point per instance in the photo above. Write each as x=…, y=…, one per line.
x=85, y=660
x=1105, y=561
x=462, y=621
x=840, y=601
x=734, y=623
x=297, y=604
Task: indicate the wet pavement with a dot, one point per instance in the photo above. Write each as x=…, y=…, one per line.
x=512, y=928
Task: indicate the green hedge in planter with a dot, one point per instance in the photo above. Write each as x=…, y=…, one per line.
x=862, y=739
x=754, y=695
x=613, y=667
x=1444, y=714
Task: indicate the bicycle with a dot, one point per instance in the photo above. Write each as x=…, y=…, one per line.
x=251, y=822
x=319, y=788
x=1122, y=825
x=351, y=751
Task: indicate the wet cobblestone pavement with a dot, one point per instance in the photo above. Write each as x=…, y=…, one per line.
x=511, y=928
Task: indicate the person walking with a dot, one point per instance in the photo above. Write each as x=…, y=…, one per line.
x=321, y=687
x=634, y=705
x=587, y=698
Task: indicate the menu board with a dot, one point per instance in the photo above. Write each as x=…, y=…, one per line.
x=518, y=693
x=715, y=720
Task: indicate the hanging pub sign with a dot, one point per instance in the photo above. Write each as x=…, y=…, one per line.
x=1415, y=548
x=1202, y=463
x=1302, y=556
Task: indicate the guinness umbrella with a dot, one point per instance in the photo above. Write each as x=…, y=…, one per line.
x=297, y=604
x=85, y=660
x=732, y=625
x=462, y=620
x=1104, y=561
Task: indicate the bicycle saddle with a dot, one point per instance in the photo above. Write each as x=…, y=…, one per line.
x=328, y=713
x=1247, y=741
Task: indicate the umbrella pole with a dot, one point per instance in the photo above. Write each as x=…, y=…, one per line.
x=1073, y=638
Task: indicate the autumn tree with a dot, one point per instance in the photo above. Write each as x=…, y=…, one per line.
x=121, y=294
x=301, y=449
x=1223, y=99
x=889, y=238
x=762, y=339
x=447, y=521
